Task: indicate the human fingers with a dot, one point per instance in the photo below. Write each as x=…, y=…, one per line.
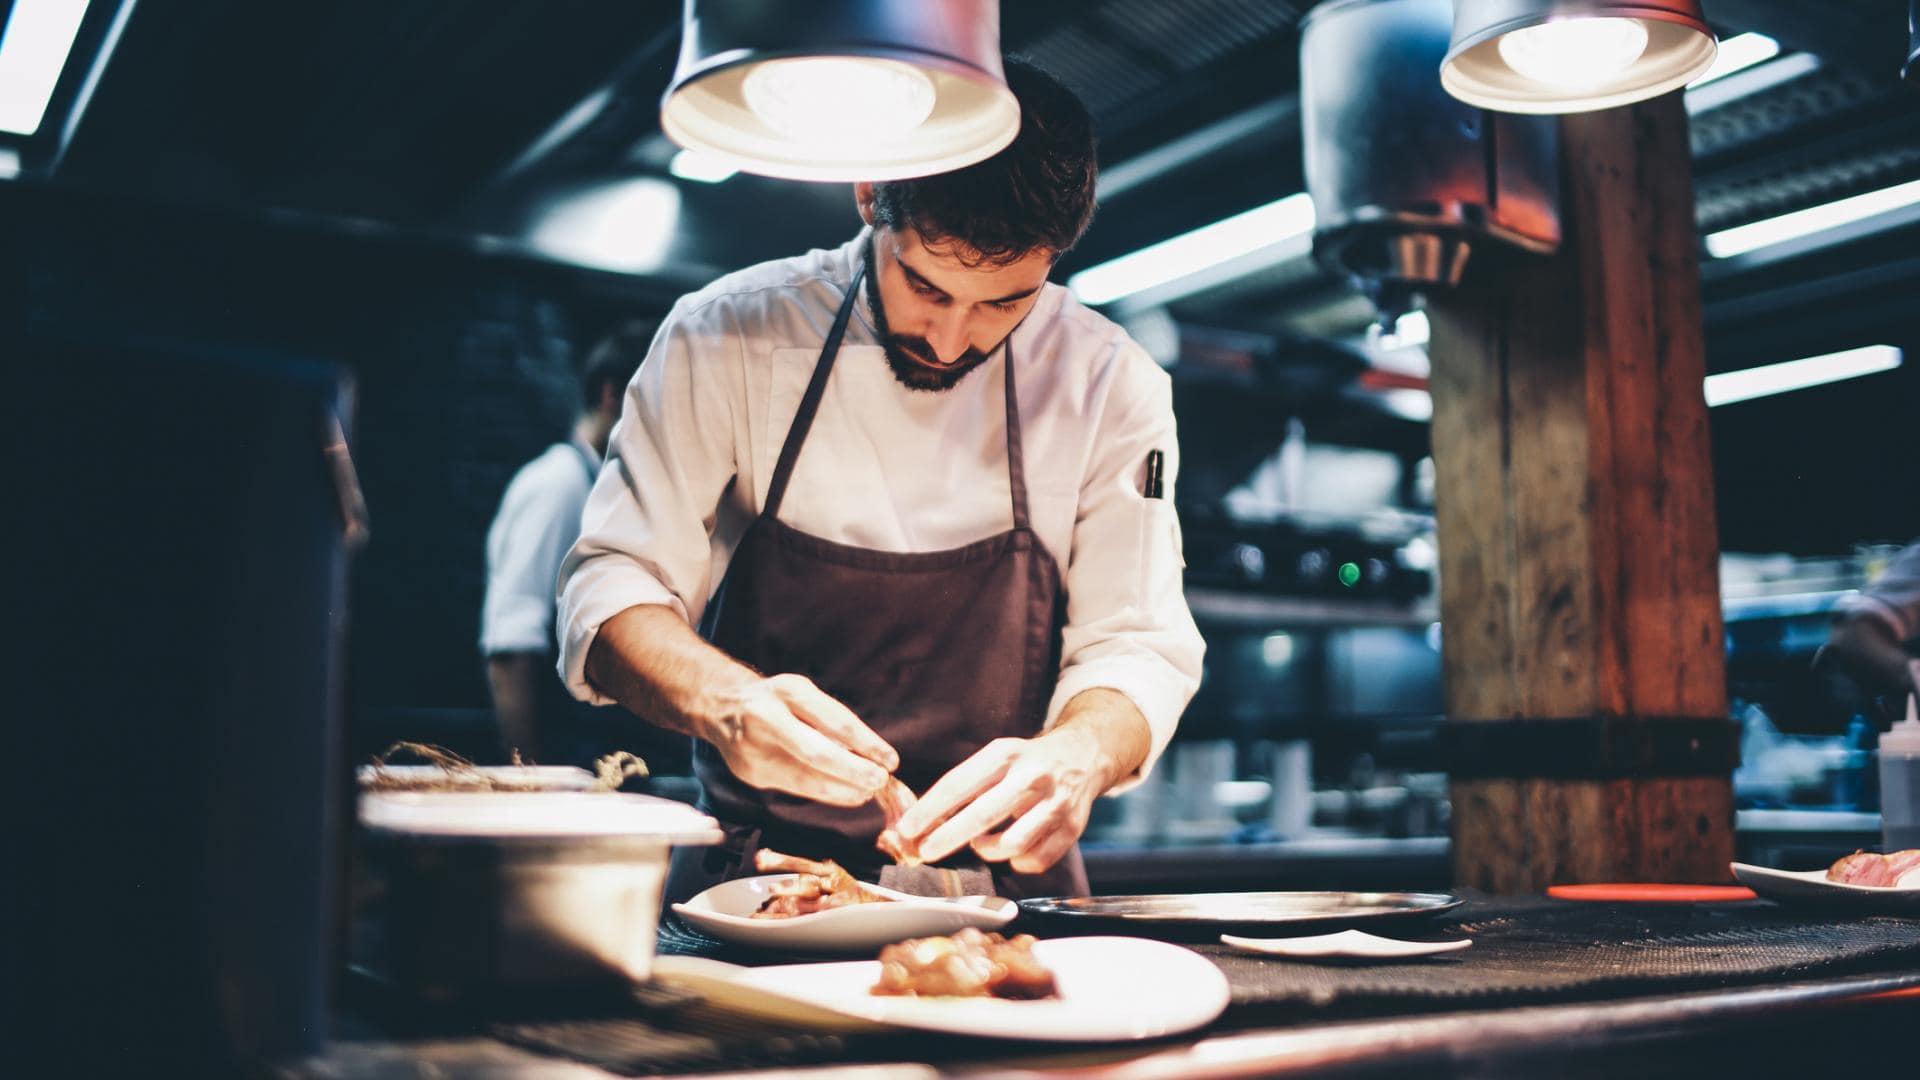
x=1050, y=848
x=1017, y=793
x=778, y=750
x=828, y=715
x=1028, y=828
x=962, y=784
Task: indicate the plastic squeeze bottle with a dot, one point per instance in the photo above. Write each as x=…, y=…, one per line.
x=1900, y=781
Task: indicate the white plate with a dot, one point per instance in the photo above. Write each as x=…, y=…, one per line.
x=726, y=912
x=1112, y=989
x=1356, y=944
x=1811, y=887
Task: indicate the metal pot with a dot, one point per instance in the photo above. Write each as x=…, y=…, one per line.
x=488, y=893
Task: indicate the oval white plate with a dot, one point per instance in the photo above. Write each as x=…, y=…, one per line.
x=1812, y=887
x=1347, y=943
x=726, y=912
x=1112, y=989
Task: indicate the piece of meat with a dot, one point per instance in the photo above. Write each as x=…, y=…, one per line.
x=1904, y=868
x=1900, y=863
x=816, y=886
x=970, y=963
x=1900, y=869
x=895, y=800
x=1861, y=868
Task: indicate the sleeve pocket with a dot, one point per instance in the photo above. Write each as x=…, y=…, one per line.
x=1159, y=560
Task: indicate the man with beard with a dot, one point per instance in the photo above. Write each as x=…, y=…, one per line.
x=918, y=501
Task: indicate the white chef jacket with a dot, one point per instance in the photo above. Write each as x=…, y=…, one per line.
x=893, y=469
x=538, y=520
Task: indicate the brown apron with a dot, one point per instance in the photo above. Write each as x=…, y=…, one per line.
x=939, y=652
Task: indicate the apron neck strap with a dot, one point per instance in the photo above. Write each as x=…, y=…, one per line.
x=810, y=403
x=587, y=461
x=816, y=389
x=1016, y=462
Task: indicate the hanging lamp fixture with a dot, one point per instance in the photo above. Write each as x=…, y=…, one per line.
x=841, y=90
x=1568, y=56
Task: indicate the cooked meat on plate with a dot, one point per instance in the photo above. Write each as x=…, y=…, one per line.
x=816, y=886
x=969, y=963
x=1899, y=870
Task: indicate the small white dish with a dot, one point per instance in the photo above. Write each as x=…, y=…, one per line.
x=1355, y=944
x=1112, y=989
x=726, y=912
x=1811, y=887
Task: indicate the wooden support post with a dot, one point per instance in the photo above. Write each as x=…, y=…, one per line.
x=1579, y=567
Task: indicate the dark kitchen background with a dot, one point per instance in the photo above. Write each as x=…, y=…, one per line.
x=449, y=204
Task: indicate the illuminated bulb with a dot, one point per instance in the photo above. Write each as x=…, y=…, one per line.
x=839, y=99
x=1575, y=52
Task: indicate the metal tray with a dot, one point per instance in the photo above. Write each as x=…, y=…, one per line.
x=1207, y=914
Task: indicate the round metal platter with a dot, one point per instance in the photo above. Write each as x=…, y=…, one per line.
x=1207, y=913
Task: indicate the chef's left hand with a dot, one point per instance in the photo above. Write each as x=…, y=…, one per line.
x=1041, y=789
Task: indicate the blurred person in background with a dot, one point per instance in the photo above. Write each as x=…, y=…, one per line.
x=538, y=520
x=1876, y=632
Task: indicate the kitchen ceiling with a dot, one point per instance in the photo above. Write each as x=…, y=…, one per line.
x=473, y=119
x=471, y=123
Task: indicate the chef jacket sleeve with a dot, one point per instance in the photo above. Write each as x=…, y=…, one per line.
x=645, y=535
x=1893, y=600
x=528, y=539
x=1128, y=628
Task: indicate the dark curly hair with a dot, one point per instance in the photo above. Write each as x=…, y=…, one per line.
x=615, y=359
x=1036, y=193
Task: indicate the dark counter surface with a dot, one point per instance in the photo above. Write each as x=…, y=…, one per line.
x=1549, y=988
x=1790, y=1029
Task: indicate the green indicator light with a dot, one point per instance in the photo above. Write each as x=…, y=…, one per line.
x=1349, y=574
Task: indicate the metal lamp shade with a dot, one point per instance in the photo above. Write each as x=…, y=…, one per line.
x=945, y=52
x=1679, y=49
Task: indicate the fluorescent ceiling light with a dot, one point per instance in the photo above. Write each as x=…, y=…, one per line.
x=1738, y=53
x=1731, y=386
x=33, y=49
x=688, y=165
x=1759, y=234
x=1704, y=96
x=1189, y=255
x=626, y=227
x=9, y=163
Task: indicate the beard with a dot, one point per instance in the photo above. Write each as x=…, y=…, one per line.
x=911, y=359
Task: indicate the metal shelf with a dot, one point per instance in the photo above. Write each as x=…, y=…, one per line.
x=1786, y=605
x=1225, y=606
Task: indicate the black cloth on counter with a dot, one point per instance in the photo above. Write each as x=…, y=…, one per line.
x=1540, y=951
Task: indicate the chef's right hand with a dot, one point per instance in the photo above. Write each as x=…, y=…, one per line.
x=782, y=733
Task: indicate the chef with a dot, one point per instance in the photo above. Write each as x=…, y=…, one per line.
x=918, y=502
x=537, y=522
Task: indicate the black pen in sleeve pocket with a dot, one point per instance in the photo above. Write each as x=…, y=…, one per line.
x=1156, y=464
